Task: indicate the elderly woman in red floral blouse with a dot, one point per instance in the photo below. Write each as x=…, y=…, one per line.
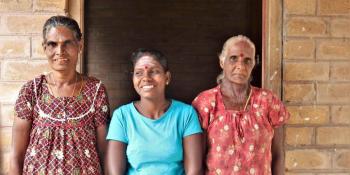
x=238, y=119
x=60, y=122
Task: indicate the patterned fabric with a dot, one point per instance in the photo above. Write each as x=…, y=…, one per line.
x=63, y=135
x=239, y=142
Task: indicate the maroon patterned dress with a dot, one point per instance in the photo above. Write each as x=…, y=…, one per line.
x=63, y=135
x=239, y=142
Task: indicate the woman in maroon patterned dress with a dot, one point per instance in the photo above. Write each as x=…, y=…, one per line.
x=60, y=123
x=238, y=119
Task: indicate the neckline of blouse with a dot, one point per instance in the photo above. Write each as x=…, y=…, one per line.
x=82, y=89
x=232, y=110
x=153, y=120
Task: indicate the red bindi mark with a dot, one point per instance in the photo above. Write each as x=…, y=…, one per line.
x=146, y=67
x=241, y=54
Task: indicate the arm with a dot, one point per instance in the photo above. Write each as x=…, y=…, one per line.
x=200, y=104
x=193, y=154
x=101, y=143
x=20, y=140
x=278, y=115
x=277, y=166
x=204, y=148
x=115, y=158
x=101, y=119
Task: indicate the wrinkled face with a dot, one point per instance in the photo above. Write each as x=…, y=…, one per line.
x=62, y=48
x=239, y=63
x=149, y=78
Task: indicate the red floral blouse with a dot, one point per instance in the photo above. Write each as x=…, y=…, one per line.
x=239, y=142
x=63, y=135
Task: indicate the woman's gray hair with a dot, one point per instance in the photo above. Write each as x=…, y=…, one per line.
x=233, y=40
x=229, y=42
x=64, y=21
x=220, y=77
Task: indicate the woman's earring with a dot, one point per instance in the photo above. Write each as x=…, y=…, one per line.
x=167, y=83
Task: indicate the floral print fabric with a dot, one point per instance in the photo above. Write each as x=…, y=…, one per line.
x=63, y=135
x=239, y=142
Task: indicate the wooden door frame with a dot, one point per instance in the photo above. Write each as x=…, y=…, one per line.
x=272, y=46
x=76, y=11
x=272, y=37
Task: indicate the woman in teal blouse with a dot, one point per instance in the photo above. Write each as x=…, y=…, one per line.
x=154, y=135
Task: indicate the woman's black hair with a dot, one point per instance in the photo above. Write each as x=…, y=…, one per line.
x=156, y=54
x=64, y=21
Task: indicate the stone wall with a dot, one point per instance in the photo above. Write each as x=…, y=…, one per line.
x=316, y=84
x=316, y=77
x=21, y=56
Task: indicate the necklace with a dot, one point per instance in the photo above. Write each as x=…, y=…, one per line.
x=57, y=89
x=242, y=104
x=246, y=103
x=65, y=103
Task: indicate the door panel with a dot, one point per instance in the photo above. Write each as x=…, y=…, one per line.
x=189, y=33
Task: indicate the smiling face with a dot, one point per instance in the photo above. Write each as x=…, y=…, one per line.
x=238, y=63
x=62, y=49
x=150, y=78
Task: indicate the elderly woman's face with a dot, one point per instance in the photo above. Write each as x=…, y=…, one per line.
x=238, y=63
x=62, y=48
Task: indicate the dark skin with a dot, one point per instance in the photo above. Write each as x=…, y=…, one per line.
x=21, y=130
x=235, y=88
x=116, y=164
x=150, y=80
x=237, y=68
x=62, y=49
x=277, y=165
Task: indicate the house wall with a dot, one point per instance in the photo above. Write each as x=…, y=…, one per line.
x=316, y=84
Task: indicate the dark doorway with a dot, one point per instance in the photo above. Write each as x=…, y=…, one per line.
x=189, y=33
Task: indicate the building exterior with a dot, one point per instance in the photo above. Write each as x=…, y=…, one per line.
x=307, y=59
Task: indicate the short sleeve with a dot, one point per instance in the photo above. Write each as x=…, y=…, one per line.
x=278, y=114
x=102, y=112
x=25, y=102
x=201, y=106
x=117, y=128
x=192, y=125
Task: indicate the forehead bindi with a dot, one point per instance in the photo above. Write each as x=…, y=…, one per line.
x=241, y=50
x=146, y=62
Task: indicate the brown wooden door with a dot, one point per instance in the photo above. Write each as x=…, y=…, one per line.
x=189, y=33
